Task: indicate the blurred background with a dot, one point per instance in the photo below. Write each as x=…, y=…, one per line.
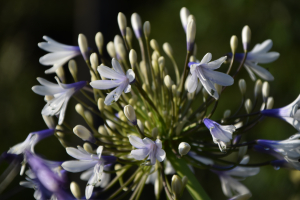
x=23, y=24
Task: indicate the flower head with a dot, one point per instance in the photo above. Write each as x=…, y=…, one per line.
x=61, y=92
x=147, y=148
x=119, y=79
x=220, y=134
x=88, y=161
x=204, y=71
x=259, y=54
x=289, y=113
x=59, y=54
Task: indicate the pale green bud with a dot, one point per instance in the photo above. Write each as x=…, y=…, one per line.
x=227, y=114
x=101, y=104
x=73, y=68
x=94, y=61
x=233, y=43
x=147, y=29
x=270, y=103
x=184, y=148
x=132, y=58
x=242, y=86
x=154, y=45
x=83, y=46
x=99, y=42
x=168, y=49
x=110, y=47
x=168, y=81
x=246, y=37
x=79, y=109
x=89, y=117
x=130, y=114
x=75, y=189
x=248, y=105
x=176, y=185
x=265, y=90
x=122, y=22
x=141, y=126
x=61, y=74
x=88, y=147
x=83, y=133
x=257, y=88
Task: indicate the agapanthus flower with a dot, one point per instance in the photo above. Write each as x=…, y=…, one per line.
x=289, y=149
x=204, y=71
x=119, y=79
x=220, y=134
x=147, y=148
x=61, y=92
x=230, y=180
x=105, y=178
x=59, y=54
x=289, y=113
x=259, y=54
x=87, y=161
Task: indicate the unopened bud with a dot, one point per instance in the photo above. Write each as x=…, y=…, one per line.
x=227, y=114
x=148, y=125
x=141, y=126
x=83, y=133
x=122, y=23
x=101, y=104
x=73, y=68
x=121, y=51
x=161, y=63
x=176, y=186
x=270, y=103
x=265, y=90
x=88, y=147
x=94, y=61
x=246, y=37
x=102, y=130
x=49, y=121
x=132, y=58
x=257, y=88
x=83, y=46
x=242, y=86
x=184, y=182
x=184, y=14
x=248, y=105
x=136, y=24
x=129, y=36
x=88, y=117
x=168, y=49
x=190, y=35
x=130, y=114
x=61, y=74
x=155, y=132
x=184, y=148
x=75, y=189
x=233, y=43
x=147, y=29
x=111, y=49
x=168, y=81
x=154, y=45
x=99, y=42
x=79, y=109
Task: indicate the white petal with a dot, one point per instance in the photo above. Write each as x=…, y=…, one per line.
x=251, y=74
x=140, y=154
x=265, y=57
x=148, y=141
x=130, y=75
x=62, y=112
x=158, y=143
x=206, y=58
x=75, y=153
x=57, y=57
x=89, y=191
x=105, y=84
x=136, y=142
x=215, y=64
x=115, y=94
x=78, y=165
x=117, y=67
x=218, y=77
x=104, y=180
x=87, y=174
x=127, y=89
x=44, y=82
x=99, y=151
x=152, y=157
x=169, y=168
x=160, y=155
x=110, y=73
x=225, y=186
x=192, y=83
x=262, y=72
x=45, y=90
x=27, y=184
x=263, y=47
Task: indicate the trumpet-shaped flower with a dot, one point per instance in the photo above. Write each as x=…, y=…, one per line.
x=289, y=113
x=204, y=71
x=289, y=149
x=59, y=54
x=259, y=54
x=229, y=180
x=147, y=148
x=61, y=92
x=119, y=80
x=88, y=161
x=220, y=134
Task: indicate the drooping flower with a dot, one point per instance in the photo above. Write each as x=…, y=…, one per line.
x=288, y=149
x=204, y=71
x=289, y=113
x=147, y=148
x=59, y=54
x=88, y=161
x=119, y=79
x=61, y=92
x=230, y=180
x=259, y=54
x=220, y=134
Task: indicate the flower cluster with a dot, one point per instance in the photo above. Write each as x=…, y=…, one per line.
x=152, y=126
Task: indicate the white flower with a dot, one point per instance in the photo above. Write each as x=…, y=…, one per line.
x=59, y=53
x=145, y=148
x=220, y=134
x=61, y=92
x=259, y=54
x=120, y=80
x=231, y=186
x=88, y=161
x=85, y=176
x=207, y=76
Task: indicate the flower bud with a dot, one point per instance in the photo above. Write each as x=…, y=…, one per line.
x=73, y=69
x=154, y=133
x=184, y=148
x=246, y=37
x=122, y=23
x=161, y=63
x=141, y=126
x=190, y=35
x=257, y=88
x=101, y=104
x=184, y=14
x=130, y=114
x=168, y=49
x=61, y=74
x=83, y=46
x=242, y=86
x=102, y=130
x=99, y=42
x=176, y=186
x=129, y=36
x=75, y=189
x=233, y=43
x=49, y=121
x=136, y=23
x=88, y=147
x=227, y=114
x=184, y=182
x=154, y=45
x=83, y=133
x=132, y=58
x=111, y=49
x=121, y=51
x=265, y=90
x=248, y=105
x=94, y=61
x=79, y=109
x=148, y=125
x=168, y=81
x=89, y=117
x=147, y=29
x=270, y=103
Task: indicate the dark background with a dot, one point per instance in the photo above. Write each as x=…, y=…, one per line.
x=23, y=23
